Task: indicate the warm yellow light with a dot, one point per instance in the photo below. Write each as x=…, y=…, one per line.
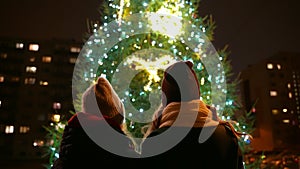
x=24, y=129
x=30, y=80
x=38, y=143
x=33, y=47
x=43, y=83
x=153, y=77
x=274, y=111
x=290, y=95
x=278, y=66
x=32, y=59
x=286, y=121
x=202, y=81
x=75, y=49
x=19, y=45
x=46, y=59
x=273, y=93
x=72, y=60
x=9, y=129
x=56, y=118
x=31, y=69
x=269, y=66
x=151, y=66
x=165, y=24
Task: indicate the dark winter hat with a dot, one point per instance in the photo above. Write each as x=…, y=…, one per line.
x=180, y=83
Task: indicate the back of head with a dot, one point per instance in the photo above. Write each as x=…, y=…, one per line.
x=101, y=96
x=180, y=83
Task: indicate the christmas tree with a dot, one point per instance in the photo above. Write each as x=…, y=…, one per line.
x=134, y=41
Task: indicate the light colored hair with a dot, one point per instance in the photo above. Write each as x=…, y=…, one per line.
x=106, y=99
x=102, y=96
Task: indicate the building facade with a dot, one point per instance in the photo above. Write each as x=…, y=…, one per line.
x=272, y=86
x=35, y=91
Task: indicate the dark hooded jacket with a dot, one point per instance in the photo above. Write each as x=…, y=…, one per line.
x=94, y=138
x=78, y=150
x=219, y=151
x=181, y=96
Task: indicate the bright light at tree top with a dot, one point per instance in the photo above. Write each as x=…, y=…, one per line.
x=163, y=23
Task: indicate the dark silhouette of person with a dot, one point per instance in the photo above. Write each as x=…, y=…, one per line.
x=181, y=98
x=78, y=149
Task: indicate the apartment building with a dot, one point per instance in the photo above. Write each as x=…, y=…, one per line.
x=35, y=91
x=274, y=84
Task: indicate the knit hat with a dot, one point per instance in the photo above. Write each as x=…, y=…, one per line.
x=180, y=83
x=101, y=96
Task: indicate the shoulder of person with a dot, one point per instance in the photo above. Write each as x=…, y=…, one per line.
x=226, y=131
x=158, y=131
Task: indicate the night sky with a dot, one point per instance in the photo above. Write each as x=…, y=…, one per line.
x=253, y=29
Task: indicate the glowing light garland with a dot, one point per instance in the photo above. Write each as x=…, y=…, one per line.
x=151, y=67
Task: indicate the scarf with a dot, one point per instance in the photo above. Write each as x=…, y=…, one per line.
x=193, y=113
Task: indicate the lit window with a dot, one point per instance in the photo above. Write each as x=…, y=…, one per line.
x=274, y=111
x=284, y=110
x=46, y=59
x=9, y=129
x=269, y=66
x=3, y=55
x=32, y=59
x=72, y=60
x=24, y=129
x=31, y=69
x=15, y=79
x=19, y=45
x=56, y=105
x=38, y=143
x=286, y=121
x=75, y=49
x=1, y=79
x=290, y=95
x=273, y=93
x=33, y=47
x=43, y=83
x=55, y=118
x=30, y=80
x=278, y=66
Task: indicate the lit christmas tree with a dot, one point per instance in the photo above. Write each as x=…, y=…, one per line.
x=137, y=40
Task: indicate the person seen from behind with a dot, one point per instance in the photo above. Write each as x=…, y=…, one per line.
x=181, y=97
x=77, y=148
